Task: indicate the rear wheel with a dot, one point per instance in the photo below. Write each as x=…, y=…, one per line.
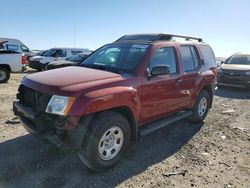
x=4, y=75
x=107, y=141
x=201, y=107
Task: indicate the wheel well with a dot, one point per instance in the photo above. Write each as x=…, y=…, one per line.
x=128, y=114
x=6, y=67
x=209, y=89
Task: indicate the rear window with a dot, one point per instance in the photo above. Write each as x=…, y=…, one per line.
x=12, y=47
x=208, y=56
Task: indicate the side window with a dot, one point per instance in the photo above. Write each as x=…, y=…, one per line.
x=61, y=53
x=164, y=56
x=208, y=56
x=189, y=58
x=11, y=47
x=75, y=52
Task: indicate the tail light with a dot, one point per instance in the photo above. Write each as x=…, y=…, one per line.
x=24, y=60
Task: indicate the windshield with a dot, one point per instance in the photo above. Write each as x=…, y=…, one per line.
x=117, y=57
x=50, y=53
x=77, y=58
x=239, y=60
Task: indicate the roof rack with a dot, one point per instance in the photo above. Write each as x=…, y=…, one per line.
x=156, y=37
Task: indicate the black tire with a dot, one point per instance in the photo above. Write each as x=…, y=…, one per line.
x=199, y=117
x=103, y=122
x=4, y=75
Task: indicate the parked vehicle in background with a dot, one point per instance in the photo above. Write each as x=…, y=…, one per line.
x=14, y=45
x=34, y=53
x=220, y=61
x=235, y=71
x=123, y=90
x=10, y=61
x=54, y=54
x=71, y=61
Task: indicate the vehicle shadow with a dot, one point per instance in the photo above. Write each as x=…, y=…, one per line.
x=233, y=93
x=27, y=162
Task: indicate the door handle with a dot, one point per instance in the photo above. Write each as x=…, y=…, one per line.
x=178, y=81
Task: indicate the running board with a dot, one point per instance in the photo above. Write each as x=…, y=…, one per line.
x=156, y=125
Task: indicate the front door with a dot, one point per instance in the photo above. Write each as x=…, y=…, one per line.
x=161, y=94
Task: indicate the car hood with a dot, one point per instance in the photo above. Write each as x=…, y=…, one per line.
x=236, y=67
x=70, y=80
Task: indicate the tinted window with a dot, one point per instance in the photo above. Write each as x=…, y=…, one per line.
x=208, y=56
x=164, y=56
x=189, y=58
x=11, y=47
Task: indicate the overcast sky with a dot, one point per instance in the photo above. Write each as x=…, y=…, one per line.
x=42, y=24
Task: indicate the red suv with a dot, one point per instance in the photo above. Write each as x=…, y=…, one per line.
x=131, y=87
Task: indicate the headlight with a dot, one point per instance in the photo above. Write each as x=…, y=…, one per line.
x=247, y=73
x=59, y=105
x=38, y=59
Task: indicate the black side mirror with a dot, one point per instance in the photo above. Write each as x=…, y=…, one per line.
x=159, y=70
x=222, y=62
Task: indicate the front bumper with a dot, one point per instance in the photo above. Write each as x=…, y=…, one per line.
x=48, y=127
x=36, y=65
x=242, y=81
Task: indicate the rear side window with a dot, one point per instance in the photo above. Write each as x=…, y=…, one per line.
x=75, y=52
x=164, y=56
x=11, y=47
x=189, y=58
x=208, y=56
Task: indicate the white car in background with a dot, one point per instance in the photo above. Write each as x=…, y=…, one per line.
x=13, y=45
x=54, y=54
x=10, y=61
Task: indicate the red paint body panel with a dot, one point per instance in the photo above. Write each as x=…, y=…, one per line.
x=148, y=98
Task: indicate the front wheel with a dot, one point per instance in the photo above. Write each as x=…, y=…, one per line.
x=4, y=75
x=107, y=141
x=201, y=107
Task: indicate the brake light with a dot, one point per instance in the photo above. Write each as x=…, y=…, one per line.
x=24, y=60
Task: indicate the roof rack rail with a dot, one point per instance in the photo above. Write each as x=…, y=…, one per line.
x=156, y=37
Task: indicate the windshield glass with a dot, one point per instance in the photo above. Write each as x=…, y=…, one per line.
x=117, y=57
x=77, y=58
x=239, y=60
x=50, y=53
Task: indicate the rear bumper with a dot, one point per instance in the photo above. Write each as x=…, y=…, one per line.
x=36, y=65
x=47, y=127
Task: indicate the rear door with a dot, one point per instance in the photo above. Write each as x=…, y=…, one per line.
x=191, y=64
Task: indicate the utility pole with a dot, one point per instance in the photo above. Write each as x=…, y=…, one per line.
x=74, y=35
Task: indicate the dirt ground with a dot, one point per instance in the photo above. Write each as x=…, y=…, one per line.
x=213, y=154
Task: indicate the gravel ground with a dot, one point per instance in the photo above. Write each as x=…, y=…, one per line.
x=213, y=154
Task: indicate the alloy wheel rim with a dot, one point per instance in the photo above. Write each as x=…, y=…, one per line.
x=111, y=143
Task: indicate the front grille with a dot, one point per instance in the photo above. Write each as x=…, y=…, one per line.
x=233, y=74
x=36, y=100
